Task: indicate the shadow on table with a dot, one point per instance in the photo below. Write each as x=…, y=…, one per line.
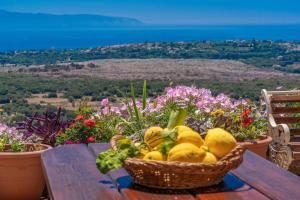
x=231, y=183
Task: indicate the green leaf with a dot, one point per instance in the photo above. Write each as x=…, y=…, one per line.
x=136, y=111
x=110, y=160
x=144, y=94
x=124, y=143
x=177, y=118
x=166, y=146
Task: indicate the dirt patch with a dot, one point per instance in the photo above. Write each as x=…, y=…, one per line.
x=168, y=69
x=174, y=69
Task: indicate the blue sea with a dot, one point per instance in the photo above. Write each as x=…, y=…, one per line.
x=72, y=39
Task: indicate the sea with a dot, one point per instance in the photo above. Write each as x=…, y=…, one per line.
x=12, y=40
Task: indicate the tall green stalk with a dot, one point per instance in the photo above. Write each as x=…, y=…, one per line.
x=144, y=94
x=136, y=111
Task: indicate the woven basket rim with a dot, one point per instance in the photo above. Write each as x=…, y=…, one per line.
x=238, y=150
x=223, y=161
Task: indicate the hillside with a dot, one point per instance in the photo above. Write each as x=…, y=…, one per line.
x=275, y=55
x=41, y=21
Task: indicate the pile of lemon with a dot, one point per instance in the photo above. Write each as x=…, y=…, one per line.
x=188, y=145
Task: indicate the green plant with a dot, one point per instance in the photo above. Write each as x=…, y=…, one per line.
x=246, y=123
x=10, y=144
x=83, y=130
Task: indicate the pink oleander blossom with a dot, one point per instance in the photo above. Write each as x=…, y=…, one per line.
x=104, y=102
x=200, y=98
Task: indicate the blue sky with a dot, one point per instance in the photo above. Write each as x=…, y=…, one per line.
x=172, y=11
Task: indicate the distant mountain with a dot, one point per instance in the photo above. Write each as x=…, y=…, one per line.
x=37, y=21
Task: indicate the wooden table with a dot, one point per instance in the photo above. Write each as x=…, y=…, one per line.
x=71, y=173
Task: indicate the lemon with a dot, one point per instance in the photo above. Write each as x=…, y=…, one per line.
x=190, y=136
x=210, y=158
x=166, y=129
x=186, y=152
x=182, y=128
x=219, y=142
x=154, y=155
x=143, y=151
x=154, y=136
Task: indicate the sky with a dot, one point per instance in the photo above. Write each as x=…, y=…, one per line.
x=185, y=12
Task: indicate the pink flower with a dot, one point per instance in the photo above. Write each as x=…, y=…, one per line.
x=105, y=111
x=115, y=110
x=104, y=102
x=70, y=142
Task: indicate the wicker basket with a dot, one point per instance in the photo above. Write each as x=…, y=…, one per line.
x=180, y=175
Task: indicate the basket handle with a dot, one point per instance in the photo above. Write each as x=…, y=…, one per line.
x=114, y=141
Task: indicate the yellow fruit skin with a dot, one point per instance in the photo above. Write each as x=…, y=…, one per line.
x=154, y=155
x=154, y=136
x=219, y=142
x=205, y=148
x=210, y=158
x=143, y=151
x=186, y=152
x=182, y=128
x=190, y=137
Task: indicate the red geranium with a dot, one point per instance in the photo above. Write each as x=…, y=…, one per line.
x=90, y=139
x=89, y=122
x=246, y=122
x=79, y=117
x=246, y=112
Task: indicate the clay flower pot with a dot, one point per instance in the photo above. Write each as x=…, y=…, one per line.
x=21, y=175
x=259, y=146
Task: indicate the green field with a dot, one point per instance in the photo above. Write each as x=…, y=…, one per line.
x=17, y=88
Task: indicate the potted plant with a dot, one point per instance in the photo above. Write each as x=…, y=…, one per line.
x=21, y=175
x=247, y=124
x=250, y=129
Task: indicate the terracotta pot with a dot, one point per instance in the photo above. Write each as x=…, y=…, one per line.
x=21, y=175
x=259, y=146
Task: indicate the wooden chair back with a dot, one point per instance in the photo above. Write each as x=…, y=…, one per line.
x=284, y=106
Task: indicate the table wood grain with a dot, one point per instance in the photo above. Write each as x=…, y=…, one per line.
x=71, y=173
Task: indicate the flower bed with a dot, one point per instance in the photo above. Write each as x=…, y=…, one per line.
x=131, y=116
x=241, y=118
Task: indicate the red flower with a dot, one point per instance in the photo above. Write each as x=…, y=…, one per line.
x=79, y=117
x=89, y=122
x=90, y=139
x=246, y=112
x=246, y=122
